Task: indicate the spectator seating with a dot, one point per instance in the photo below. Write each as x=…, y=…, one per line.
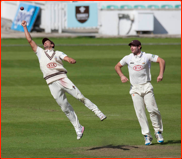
x=139, y=6
x=112, y=7
x=177, y=6
x=125, y=7
x=153, y=6
x=167, y=6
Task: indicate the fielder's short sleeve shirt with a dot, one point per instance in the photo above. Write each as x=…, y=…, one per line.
x=59, y=53
x=139, y=67
x=51, y=64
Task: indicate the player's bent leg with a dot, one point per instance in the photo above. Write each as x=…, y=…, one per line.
x=94, y=108
x=70, y=113
x=61, y=99
x=155, y=115
x=78, y=95
x=140, y=113
x=75, y=92
x=139, y=107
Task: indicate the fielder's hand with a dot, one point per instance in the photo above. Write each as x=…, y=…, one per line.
x=159, y=78
x=124, y=79
x=72, y=61
x=24, y=23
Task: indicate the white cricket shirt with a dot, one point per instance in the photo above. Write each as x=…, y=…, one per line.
x=51, y=64
x=139, y=67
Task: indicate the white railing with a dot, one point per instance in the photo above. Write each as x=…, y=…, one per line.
x=55, y=16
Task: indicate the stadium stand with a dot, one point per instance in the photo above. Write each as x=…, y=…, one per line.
x=153, y=6
x=139, y=6
x=167, y=6
x=112, y=7
x=177, y=6
x=125, y=7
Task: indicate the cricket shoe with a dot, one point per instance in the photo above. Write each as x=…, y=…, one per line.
x=80, y=133
x=101, y=116
x=159, y=137
x=148, y=139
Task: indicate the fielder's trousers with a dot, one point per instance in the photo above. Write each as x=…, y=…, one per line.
x=58, y=90
x=142, y=95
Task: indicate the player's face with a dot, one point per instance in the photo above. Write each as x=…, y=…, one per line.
x=47, y=44
x=135, y=49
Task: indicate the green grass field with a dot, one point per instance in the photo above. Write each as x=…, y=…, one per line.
x=33, y=125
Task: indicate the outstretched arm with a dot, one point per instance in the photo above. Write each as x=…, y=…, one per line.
x=119, y=72
x=29, y=38
x=69, y=59
x=162, y=68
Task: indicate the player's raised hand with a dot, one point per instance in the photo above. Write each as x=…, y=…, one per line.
x=124, y=79
x=24, y=23
x=159, y=78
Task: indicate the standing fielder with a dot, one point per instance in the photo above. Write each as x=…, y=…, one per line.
x=55, y=75
x=141, y=90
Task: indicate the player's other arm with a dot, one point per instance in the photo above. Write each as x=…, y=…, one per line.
x=29, y=38
x=69, y=59
x=162, y=68
x=119, y=72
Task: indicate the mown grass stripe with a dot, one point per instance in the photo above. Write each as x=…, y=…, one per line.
x=119, y=44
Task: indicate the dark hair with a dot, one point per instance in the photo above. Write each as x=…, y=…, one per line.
x=45, y=39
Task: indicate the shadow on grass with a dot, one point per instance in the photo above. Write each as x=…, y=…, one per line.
x=127, y=147
x=123, y=147
x=169, y=142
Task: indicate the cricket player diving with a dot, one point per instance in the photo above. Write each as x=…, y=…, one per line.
x=51, y=65
x=141, y=90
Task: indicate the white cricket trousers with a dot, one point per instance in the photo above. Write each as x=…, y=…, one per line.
x=58, y=89
x=142, y=95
